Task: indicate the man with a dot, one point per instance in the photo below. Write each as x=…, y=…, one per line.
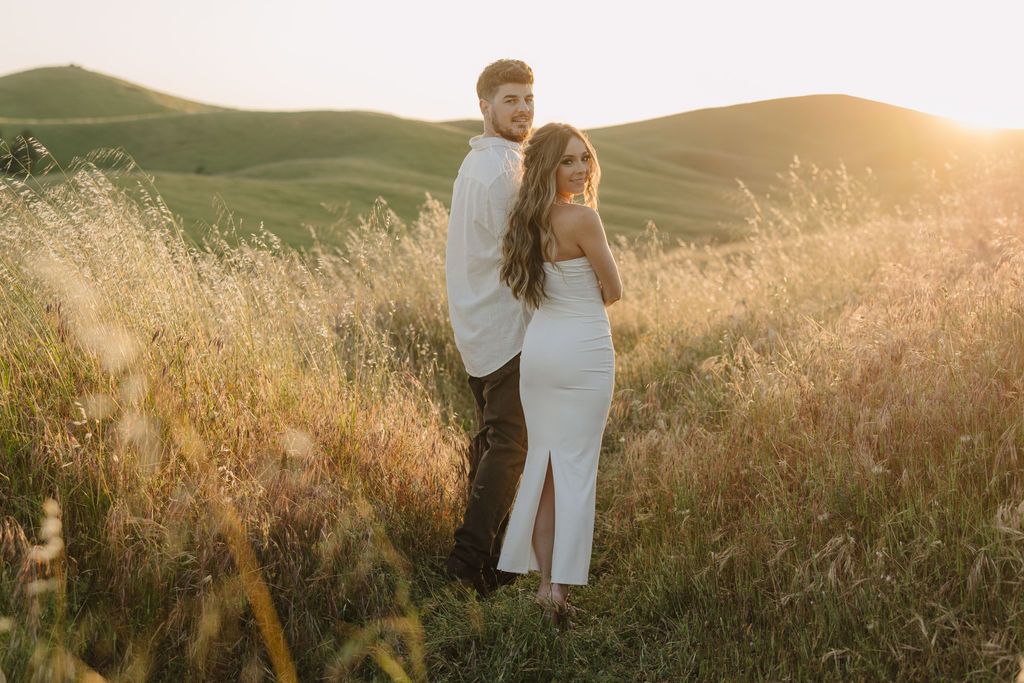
x=489, y=323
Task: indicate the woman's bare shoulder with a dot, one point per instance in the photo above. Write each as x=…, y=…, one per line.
x=574, y=216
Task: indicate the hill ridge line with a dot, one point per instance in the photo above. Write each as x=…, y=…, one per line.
x=120, y=118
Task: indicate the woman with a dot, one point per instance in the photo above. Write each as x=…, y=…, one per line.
x=557, y=260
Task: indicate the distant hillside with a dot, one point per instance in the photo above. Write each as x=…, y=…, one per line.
x=62, y=92
x=249, y=141
x=471, y=126
x=689, y=162
x=286, y=170
x=300, y=171
x=755, y=140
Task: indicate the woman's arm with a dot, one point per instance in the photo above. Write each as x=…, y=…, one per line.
x=592, y=240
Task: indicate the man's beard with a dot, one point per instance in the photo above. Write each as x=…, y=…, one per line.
x=510, y=133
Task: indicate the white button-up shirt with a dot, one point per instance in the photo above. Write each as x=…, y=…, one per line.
x=489, y=323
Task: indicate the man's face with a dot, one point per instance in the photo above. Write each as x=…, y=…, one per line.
x=509, y=114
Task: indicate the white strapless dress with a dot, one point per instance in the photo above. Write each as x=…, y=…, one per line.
x=566, y=377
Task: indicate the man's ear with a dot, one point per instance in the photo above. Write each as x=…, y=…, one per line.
x=484, y=106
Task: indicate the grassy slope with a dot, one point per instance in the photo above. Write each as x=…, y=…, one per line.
x=679, y=171
x=675, y=158
x=278, y=168
x=71, y=92
x=757, y=139
x=231, y=141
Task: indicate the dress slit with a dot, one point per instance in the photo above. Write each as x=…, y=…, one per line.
x=534, y=564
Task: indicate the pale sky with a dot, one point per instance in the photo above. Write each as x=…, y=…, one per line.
x=596, y=63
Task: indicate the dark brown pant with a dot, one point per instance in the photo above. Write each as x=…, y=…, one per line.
x=496, y=456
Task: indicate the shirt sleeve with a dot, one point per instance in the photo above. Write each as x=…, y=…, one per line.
x=501, y=193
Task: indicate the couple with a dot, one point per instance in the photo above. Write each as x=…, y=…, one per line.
x=529, y=274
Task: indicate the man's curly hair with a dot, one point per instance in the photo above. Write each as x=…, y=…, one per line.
x=497, y=74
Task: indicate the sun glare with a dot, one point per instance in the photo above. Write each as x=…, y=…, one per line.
x=974, y=116
x=977, y=126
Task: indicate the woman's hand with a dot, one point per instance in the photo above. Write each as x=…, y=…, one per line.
x=604, y=297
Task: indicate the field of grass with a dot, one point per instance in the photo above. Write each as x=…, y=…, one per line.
x=301, y=170
x=76, y=93
x=285, y=170
x=243, y=461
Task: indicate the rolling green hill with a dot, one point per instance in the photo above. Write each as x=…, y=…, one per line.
x=754, y=141
x=287, y=170
x=301, y=170
x=72, y=92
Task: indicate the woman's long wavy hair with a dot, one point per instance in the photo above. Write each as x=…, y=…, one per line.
x=529, y=240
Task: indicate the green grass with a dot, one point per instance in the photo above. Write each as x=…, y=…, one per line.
x=679, y=171
x=286, y=207
x=811, y=469
x=232, y=141
x=277, y=168
x=73, y=92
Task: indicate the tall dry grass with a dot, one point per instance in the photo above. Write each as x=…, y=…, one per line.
x=160, y=391
x=811, y=465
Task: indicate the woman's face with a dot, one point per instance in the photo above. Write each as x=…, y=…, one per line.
x=573, y=169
